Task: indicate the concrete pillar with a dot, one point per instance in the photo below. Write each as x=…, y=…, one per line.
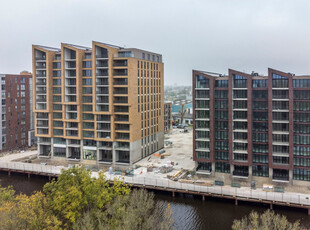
x=9, y=173
x=271, y=206
x=213, y=169
x=308, y=211
x=250, y=173
x=203, y=197
x=236, y=202
x=113, y=153
x=52, y=147
x=270, y=174
x=81, y=149
x=67, y=148
x=173, y=194
x=231, y=169
x=28, y=175
x=290, y=176
x=49, y=178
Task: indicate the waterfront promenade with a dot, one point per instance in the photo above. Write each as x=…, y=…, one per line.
x=298, y=200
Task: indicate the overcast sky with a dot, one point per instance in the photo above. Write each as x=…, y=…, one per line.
x=207, y=35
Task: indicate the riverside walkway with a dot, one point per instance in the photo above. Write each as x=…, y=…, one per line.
x=297, y=200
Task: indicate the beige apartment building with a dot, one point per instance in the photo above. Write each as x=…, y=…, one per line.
x=103, y=104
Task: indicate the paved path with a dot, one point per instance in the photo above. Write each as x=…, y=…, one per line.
x=287, y=198
x=14, y=156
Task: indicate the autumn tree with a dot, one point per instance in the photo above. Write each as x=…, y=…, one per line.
x=76, y=192
x=24, y=212
x=82, y=200
x=266, y=221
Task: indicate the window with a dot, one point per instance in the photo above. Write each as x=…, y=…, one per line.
x=260, y=116
x=221, y=83
x=87, y=73
x=260, y=126
x=221, y=145
x=204, y=166
x=258, y=158
x=279, y=81
x=56, y=81
x=221, y=94
x=56, y=90
x=300, y=161
x=240, y=146
x=202, y=94
x=57, y=123
x=240, y=104
x=260, y=170
x=239, y=81
x=301, y=94
x=57, y=115
x=87, y=81
x=87, y=90
x=88, y=55
x=259, y=94
x=89, y=154
x=57, y=73
x=220, y=155
x=57, y=65
x=301, y=174
x=202, y=82
x=280, y=94
x=221, y=115
x=280, y=160
x=260, y=83
x=301, y=83
x=222, y=167
x=87, y=107
x=260, y=137
x=57, y=107
x=240, y=93
x=22, y=94
x=87, y=64
x=240, y=157
x=260, y=105
x=240, y=125
x=202, y=155
x=220, y=104
x=221, y=135
x=240, y=114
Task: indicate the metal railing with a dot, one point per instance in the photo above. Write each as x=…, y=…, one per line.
x=258, y=194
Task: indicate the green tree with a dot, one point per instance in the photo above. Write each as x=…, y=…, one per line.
x=76, y=192
x=266, y=221
x=131, y=212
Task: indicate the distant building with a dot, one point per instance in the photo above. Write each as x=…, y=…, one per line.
x=168, y=116
x=17, y=118
x=188, y=118
x=100, y=105
x=249, y=127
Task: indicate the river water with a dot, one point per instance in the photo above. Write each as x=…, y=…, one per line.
x=189, y=212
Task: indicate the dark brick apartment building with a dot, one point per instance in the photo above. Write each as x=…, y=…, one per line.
x=251, y=127
x=16, y=111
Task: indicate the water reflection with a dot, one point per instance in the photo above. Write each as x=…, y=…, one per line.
x=188, y=212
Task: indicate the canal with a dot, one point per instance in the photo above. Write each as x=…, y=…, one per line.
x=189, y=212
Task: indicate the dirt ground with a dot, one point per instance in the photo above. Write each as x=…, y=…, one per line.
x=180, y=151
